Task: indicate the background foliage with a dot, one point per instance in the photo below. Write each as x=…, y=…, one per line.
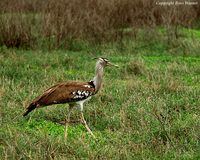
x=66, y=24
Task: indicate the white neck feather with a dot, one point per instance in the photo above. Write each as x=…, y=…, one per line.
x=98, y=79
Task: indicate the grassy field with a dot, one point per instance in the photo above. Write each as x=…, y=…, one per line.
x=146, y=109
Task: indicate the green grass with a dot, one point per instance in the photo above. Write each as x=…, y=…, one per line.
x=146, y=109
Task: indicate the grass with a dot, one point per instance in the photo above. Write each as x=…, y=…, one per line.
x=146, y=109
x=58, y=24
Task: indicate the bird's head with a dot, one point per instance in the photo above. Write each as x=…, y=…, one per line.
x=105, y=62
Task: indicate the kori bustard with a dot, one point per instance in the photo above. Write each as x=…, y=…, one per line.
x=75, y=93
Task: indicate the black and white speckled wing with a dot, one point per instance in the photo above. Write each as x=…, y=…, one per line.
x=64, y=92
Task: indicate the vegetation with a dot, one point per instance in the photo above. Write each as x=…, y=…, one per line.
x=146, y=109
x=149, y=108
x=62, y=24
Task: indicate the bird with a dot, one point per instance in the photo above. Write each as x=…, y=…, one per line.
x=74, y=93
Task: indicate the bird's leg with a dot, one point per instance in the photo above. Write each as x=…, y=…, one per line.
x=85, y=124
x=67, y=120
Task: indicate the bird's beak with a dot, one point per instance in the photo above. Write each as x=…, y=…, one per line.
x=112, y=64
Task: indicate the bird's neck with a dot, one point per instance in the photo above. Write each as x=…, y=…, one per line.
x=98, y=79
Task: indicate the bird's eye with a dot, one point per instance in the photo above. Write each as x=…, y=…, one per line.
x=105, y=60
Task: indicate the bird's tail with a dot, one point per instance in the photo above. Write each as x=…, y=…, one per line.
x=29, y=109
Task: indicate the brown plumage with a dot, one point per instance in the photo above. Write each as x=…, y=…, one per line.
x=75, y=93
x=63, y=92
